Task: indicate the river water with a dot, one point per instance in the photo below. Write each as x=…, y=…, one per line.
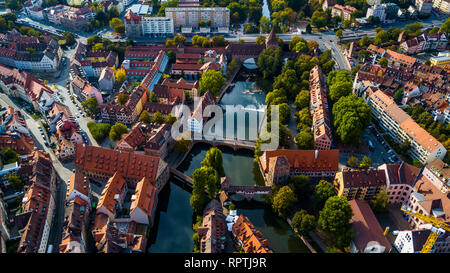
x=265, y=9
x=172, y=232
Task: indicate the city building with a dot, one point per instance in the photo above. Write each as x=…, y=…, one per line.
x=14, y=133
x=83, y=90
x=425, y=42
x=378, y=11
x=369, y=237
x=249, y=238
x=101, y=163
x=213, y=230
x=391, y=10
x=29, y=53
x=68, y=17
x=196, y=121
x=328, y=4
x=137, y=25
x=319, y=110
x=411, y=241
x=38, y=204
x=106, y=80
x=277, y=165
x=442, y=5
x=344, y=12
x=191, y=16
x=401, y=127
x=93, y=62
x=75, y=226
x=442, y=59
x=153, y=139
x=424, y=7
x=430, y=195
x=400, y=181
x=359, y=184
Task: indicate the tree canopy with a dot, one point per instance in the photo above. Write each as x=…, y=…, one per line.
x=351, y=116
x=211, y=81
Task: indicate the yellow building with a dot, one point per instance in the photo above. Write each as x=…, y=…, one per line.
x=359, y=184
x=442, y=59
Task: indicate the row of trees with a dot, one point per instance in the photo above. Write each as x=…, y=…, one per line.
x=206, y=180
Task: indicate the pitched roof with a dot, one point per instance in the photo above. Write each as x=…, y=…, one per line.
x=78, y=182
x=114, y=186
x=366, y=226
x=251, y=238
x=103, y=160
x=363, y=178
x=305, y=160
x=144, y=197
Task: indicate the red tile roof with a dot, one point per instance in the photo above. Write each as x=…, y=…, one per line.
x=366, y=226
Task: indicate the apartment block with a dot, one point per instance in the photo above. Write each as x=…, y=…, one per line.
x=401, y=127
x=359, y=184
x=319, y=110
x=143, y=26
x=191, y=17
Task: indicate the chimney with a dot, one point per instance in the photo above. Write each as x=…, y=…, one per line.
x=316, y=154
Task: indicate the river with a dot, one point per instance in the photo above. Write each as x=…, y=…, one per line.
x=265, y=9
x=172, y=232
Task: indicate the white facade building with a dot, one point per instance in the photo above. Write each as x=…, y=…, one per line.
x=377, y=11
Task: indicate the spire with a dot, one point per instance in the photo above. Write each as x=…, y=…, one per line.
x=272, y=41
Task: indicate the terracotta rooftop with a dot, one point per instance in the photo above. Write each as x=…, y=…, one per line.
x=305, y=160
x=363, y=178
x=366, y=226
x=107, y=161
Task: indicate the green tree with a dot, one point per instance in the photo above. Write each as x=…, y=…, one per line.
x=339, y=34
x=302, y=99
x=145, y=117
x=90, y=105
x=122, y=98
x=366, y=163
x=158, y=118
x=182, y=145
x=379, y=203
x=319, y=18
x=383, y=62
x=363, y=54
x=303, y=222
x=261, y=40
x=98, y=131
x=264, y=24
x=270, y=62
x=381, y=37
x=284, y=201
x=351, y=116
x=117, y=130
x=338, y=76
x=213, y=158
x=218, y=41
x=340, y=89
x=301, y=186
x=211, y=81
x=170, y=119
x=9, y=156
x=285, y=113
x=322, y=192
x=15, y=181
x=445, y=28
x=335, y=218
x=304, y=140
x=120, y=75
x=353, y=162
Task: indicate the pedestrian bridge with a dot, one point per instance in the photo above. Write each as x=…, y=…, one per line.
x=233, y=143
